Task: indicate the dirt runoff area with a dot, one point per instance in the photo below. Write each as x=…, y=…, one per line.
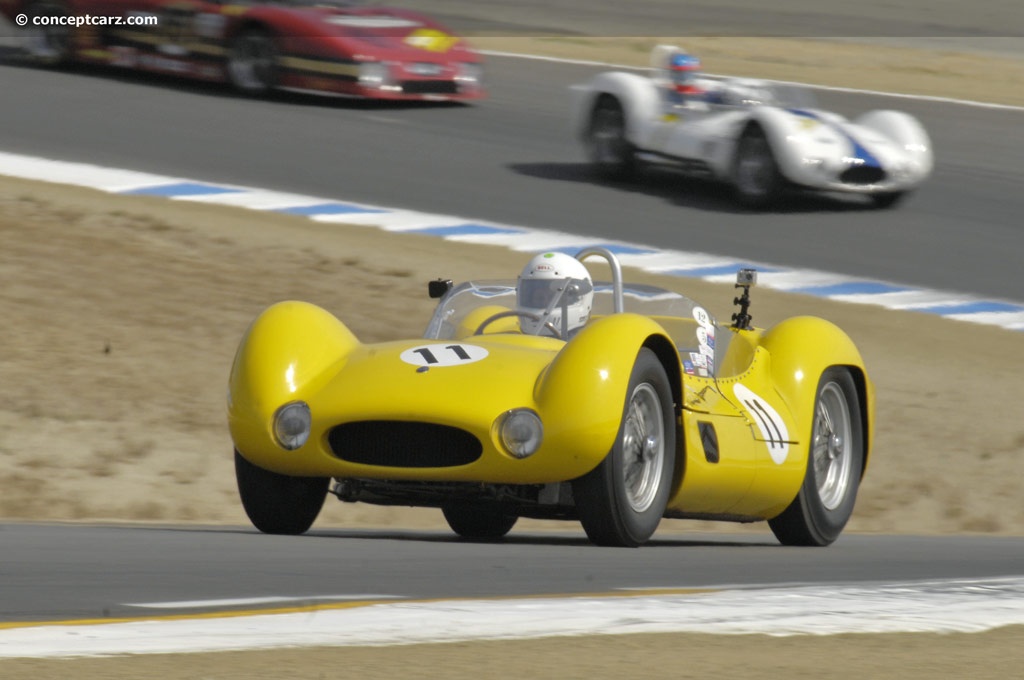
x=121, y=317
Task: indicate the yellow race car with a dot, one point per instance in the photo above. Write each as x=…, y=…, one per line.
x=556, y=397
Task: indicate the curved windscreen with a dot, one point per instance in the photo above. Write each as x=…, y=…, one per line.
x=692, y=328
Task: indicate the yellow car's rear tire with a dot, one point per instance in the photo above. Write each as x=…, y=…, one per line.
x=276, y=503
x=621, y=501
x=479, y=519
x=835, y=460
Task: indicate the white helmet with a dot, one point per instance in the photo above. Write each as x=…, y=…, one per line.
x=553, y=284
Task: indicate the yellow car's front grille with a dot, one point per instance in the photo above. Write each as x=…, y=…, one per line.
x=390, y=443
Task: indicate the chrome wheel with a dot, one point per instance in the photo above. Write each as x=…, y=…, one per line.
x=831, y=447
x=835, y=460
x=643, y=445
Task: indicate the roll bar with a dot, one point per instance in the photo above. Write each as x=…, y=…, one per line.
x=617, y=286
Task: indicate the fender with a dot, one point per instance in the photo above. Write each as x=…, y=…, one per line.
x=801, y=348
x=906, y=132
x=290, y=350
x=591, y=375
x=781, y=128
x=637, y=95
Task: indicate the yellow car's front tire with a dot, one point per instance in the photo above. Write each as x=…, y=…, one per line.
x=276, y=503
x=620, y=502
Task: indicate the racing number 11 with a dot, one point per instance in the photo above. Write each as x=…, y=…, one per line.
x=429, y=357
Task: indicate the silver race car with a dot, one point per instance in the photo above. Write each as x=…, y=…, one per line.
x=758, y=136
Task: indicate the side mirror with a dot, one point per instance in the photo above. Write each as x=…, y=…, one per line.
x=438, y=288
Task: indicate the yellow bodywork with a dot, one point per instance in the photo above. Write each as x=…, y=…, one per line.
x=296, y=351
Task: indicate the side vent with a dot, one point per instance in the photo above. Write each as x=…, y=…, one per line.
x=709, y=440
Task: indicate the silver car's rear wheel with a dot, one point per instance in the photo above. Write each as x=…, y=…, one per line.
x=835, y=460
x=609, y=149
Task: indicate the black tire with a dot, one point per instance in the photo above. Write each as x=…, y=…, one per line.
x=276, y=503
x=616, y=508
x=47, y=46
x=612, y=154
x=835, y=460
x=252, y=62
x=479, y=519
x=756, y=179
x=888, y=199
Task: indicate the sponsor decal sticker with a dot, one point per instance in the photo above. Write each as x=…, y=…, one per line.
x=431, y=39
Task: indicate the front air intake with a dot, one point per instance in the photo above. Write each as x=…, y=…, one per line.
x=393, y=443
x=862, y=174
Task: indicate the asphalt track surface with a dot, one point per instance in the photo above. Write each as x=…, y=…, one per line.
x=511, y=159
x=84, y=572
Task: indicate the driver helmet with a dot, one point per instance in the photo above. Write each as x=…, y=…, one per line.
x=683, y=71
x=549, y=284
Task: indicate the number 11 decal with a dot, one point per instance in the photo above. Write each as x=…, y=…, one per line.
x=443, y=355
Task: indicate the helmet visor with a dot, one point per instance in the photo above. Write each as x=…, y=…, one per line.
x=547, y=293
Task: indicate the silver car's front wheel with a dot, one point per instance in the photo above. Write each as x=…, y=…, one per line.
x=622, y=500
x=835, y=459
x=755, y=173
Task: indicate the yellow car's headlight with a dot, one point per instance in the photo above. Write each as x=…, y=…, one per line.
x=521, y=432
x=291, y=425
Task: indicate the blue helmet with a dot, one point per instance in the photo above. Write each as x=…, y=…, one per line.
x=683, y=69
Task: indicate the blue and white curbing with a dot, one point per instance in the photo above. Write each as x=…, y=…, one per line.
x=703, y=266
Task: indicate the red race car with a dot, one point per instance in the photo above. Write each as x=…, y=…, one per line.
x=332, y=47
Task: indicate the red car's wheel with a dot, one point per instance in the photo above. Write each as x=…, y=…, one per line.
x=252, y=65
x=48, y=45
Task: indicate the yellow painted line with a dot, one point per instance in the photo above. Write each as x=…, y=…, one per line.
x=355, y=604
x=300, y=609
